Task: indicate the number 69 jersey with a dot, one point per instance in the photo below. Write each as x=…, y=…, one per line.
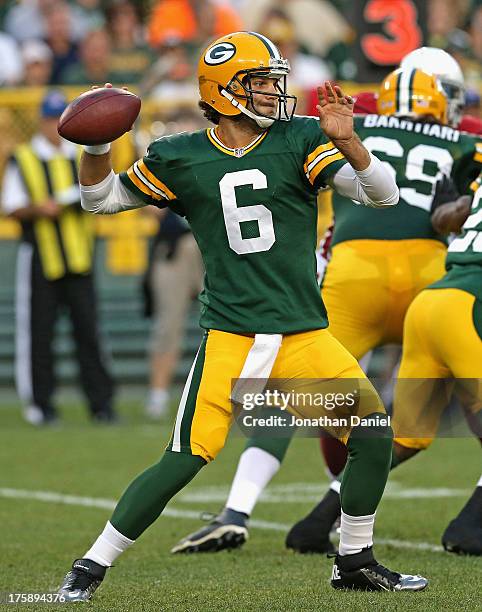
x=253, y=213
x=415, y=152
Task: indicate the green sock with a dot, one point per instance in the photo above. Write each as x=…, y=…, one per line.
x=367, y=468
x=147, y=495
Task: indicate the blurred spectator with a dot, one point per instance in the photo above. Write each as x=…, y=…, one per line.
x=54, y=269
x=475, y=29
x=473, y=105
x=307, y=71
x=5, y=6
x=87, y=15
x=26, y=20
x=174, y=278
x=170, y=77
x=194, y=21
x=130, y=57
x=37, y=63
x=458, y=44
x=443, y=17
x=59, y=37
x=466, y=47
x=94, y=66
x=10, y=64
x=318, y=25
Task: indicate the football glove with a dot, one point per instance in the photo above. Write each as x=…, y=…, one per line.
x=445, y=191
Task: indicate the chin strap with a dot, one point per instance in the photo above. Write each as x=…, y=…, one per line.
x=263, y=122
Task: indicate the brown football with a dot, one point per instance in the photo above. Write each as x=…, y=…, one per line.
x=99, y=116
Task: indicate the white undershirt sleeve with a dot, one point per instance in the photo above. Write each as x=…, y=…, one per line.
x=375, y=186
x=108, y=197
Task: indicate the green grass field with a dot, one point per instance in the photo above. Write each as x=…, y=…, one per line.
x=40, y=537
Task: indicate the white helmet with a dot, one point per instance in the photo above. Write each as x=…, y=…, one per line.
x=439, y=63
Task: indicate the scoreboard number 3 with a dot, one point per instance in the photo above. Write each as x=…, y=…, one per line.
x=401, y=32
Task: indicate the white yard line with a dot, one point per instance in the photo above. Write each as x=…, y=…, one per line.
x=299, y=492
x=109, y=504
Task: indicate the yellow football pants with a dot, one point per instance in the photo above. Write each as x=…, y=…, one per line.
x=206, y=412
x=369, y=284
x=440, y=342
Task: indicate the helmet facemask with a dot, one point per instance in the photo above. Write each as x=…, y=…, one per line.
x=455, y=100
x=240, y=89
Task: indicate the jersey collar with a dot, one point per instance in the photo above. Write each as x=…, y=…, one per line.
x=239, y=152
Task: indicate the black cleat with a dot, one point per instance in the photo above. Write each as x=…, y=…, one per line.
x=361, y=572
x=82, y=580
x=312, y=534
x=309, y=536
x=464, y=534
x=226, y=532
x=463, y=538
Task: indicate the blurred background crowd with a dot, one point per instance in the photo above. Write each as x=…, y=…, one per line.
x=152, y=46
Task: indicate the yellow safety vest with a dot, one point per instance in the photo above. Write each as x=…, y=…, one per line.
x=65, y=244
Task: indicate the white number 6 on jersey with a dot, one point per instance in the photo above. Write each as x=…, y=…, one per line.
x=234, y=215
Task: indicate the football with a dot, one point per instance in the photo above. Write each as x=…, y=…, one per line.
x=99, y=116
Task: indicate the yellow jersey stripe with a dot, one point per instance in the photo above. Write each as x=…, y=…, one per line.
x=154, y=180
x=323, y=163
x=475, y=185
x=140, y=185
x=309, y=167
x=321, y=149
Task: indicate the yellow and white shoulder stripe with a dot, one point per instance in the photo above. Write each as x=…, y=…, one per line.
x=319, y=159
x=478, y=153
x=476, y=184
x=149, y=184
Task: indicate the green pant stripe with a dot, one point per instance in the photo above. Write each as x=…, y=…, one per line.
x=192, y=396
x=180, y=440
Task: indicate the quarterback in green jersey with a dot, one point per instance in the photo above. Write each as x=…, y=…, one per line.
x=379, y=264
x=248, y=189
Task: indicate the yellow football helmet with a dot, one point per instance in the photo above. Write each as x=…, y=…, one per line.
x=412, y=92
x=225, y=70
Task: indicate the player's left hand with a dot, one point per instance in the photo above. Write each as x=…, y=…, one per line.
x=336, y=112
x=445, y=191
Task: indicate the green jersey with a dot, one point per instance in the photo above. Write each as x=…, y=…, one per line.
x=253, y=213
x=415, y=152
x=464, y=256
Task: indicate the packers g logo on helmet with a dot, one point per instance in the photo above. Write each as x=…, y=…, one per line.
x=411, y=93
x=225, y=71
x=218, y=54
